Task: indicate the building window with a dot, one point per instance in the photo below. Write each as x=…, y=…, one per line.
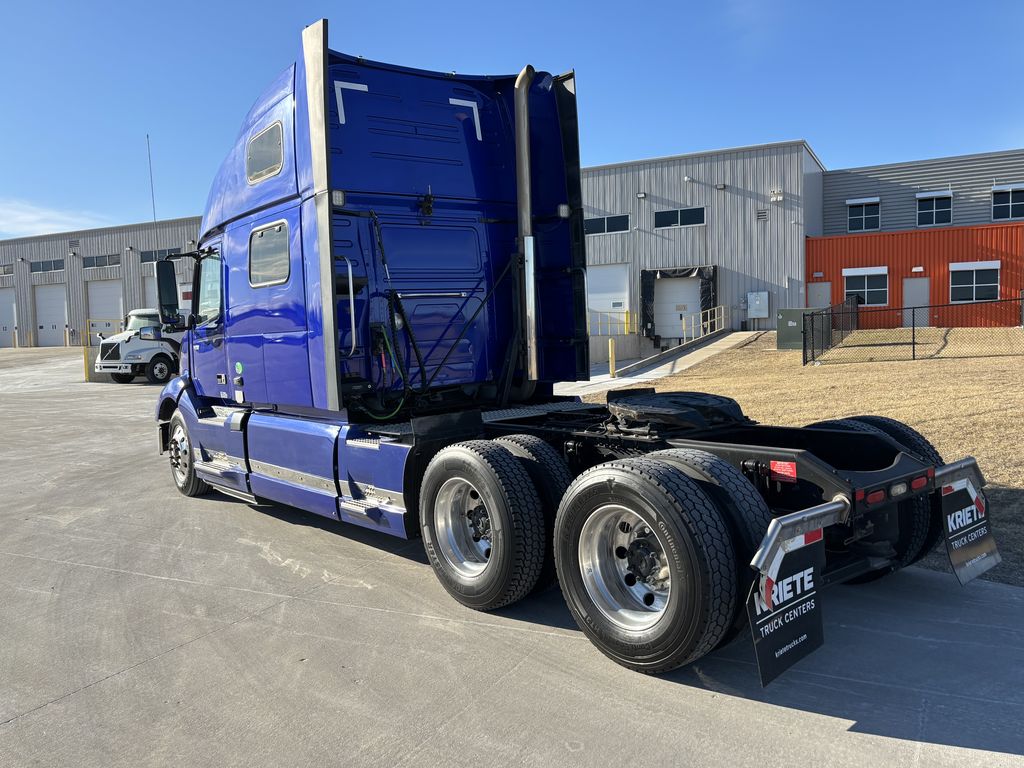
x=101, y=261
x=606, y=224
x=161, y=254
x=56, y=265
x=681, y=217
x=264, y=156
x=870, y=288
x=934, y=211
x=1007, y=204
x=6, y=269
x=863, y=217
x=974, y=281
x=269, y=262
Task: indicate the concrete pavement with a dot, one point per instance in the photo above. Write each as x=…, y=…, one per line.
x=139, y=627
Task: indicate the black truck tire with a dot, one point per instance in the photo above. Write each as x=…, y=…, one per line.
x=482, y=524
x=915, y=514
x=183, y=470
x=918, y=445
x=744, y=510
x=122, y=378
x=160, y=369
x=551, y=479
x=623, y=529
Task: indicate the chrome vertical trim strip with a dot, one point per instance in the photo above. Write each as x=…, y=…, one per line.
x=314, y=54
x=525, y=206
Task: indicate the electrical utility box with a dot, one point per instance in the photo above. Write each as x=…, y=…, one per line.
x=757, y=305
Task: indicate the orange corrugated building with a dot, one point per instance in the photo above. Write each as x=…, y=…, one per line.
x=934, y=266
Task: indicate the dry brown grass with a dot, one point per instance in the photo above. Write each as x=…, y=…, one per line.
x=900, y=343
x=965, y=407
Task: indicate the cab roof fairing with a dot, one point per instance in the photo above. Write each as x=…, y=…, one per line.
x=231, y=195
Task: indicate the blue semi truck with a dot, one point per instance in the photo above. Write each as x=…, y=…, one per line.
x=389, y=280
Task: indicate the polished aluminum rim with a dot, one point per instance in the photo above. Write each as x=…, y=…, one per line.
x=180, y=454
x=160, y=370
x=463, y=527
x=624, y=567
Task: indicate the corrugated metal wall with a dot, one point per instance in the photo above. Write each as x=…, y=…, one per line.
x=932, y=249
x=21, y=252
x=970, y=177
x=751, y=254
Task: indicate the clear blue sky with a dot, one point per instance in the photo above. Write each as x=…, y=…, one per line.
x=866, y=82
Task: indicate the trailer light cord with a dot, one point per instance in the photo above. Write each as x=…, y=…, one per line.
x=395, y=303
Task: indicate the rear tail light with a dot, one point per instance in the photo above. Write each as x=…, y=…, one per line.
x=858, y=495
x=876, y=496
x=918, y=483
x=897, y=489
x=931, y=473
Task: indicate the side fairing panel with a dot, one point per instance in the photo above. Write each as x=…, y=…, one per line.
x=292, y=462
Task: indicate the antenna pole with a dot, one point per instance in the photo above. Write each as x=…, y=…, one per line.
x=152, y=194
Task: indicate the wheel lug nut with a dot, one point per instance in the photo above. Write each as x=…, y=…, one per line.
x=630, y=580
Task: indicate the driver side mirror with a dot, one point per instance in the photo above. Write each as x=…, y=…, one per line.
x=150, y=333
x=167, y=292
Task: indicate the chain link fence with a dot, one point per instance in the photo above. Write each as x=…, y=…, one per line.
x=848, y=333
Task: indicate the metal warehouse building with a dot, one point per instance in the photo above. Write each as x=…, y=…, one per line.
x=55, y=288
x=675, y=246
x=671, y=237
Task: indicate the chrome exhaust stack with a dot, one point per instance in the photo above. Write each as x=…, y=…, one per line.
x=528, y=308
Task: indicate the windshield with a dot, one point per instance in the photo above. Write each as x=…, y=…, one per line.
x=142, y=321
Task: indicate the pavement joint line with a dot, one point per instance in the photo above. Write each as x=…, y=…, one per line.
x=247, y=617
x=411, y=752
x=303, y=596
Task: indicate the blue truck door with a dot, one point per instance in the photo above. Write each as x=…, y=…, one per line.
x=209, y=358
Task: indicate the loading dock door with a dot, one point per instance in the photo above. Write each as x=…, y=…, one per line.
x=7, y=317
x=51, y=315
x=915, y=300
x=676, y=301
x=106, y=309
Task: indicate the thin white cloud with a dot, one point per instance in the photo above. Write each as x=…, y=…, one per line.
x=20, y=218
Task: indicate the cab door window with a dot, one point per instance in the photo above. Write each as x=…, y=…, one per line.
x=208, y=301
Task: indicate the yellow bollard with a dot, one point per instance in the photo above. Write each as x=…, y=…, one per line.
x=611, y=357
x=85, y=357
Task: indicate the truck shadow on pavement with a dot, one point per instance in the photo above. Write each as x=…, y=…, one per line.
x=914, y=656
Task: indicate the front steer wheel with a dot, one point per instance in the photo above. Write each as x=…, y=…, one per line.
x=482, y=523
x=122, y=378
x=646, y=563
x=179, y=448
x=160, y=369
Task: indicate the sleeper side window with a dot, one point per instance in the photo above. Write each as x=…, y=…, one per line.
x=264, y=155
x=269, y=260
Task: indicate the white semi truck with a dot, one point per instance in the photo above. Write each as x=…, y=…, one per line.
x=144, y=347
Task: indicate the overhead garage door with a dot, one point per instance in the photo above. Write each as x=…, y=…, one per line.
x=676, y=301
x=150, y=299
x=51, y=315
x=7, y=317
x=106, y=309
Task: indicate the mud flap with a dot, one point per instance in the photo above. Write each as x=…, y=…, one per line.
x=969, y=542
x=786, y=623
